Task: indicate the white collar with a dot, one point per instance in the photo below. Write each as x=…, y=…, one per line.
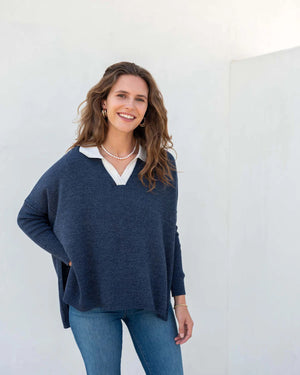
x=93, y=152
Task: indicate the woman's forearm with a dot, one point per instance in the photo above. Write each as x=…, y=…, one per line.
x=180, y=299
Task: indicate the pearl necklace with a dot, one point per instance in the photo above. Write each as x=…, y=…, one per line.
x=123, y=157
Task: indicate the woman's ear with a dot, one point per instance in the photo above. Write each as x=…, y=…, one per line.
x=103, y=104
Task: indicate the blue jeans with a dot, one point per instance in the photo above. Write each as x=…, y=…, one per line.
x=98, y=335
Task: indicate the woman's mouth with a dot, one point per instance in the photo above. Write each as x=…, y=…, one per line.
x=126, y=116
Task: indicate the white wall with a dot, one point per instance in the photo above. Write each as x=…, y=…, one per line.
x=264, y=283
x=52, y=53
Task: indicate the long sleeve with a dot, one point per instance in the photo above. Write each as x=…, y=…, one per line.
x=33, y=217
x=36, y=226
x=177, y=286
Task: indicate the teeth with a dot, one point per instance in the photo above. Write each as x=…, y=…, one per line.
x=126, y=116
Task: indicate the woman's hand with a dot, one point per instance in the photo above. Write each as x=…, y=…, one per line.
x=70, y=263
x=185, y=324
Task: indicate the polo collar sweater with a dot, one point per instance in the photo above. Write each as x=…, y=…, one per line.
x=122, y=240
x=93, y=152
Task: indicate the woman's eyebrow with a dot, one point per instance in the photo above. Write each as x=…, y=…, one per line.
x=125, y=92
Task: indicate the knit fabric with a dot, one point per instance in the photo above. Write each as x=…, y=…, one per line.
x=122, y=240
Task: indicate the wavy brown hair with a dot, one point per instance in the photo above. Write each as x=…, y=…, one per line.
x=93, y=127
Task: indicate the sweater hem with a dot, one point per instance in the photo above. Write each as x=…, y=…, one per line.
x=150, y=308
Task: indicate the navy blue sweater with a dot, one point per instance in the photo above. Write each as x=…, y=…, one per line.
x=122, y=240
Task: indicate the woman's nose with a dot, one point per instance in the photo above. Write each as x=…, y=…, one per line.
x=129, y=103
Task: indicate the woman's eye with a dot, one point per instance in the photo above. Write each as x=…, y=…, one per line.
x=123, y=96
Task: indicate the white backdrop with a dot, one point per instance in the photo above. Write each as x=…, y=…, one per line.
x=52, y=53
x=264, y=277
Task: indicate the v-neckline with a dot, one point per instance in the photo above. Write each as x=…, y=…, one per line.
x=111, y=178
x=115, y=169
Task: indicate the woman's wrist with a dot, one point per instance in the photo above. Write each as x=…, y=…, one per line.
x=179, y=302
x=179, y=299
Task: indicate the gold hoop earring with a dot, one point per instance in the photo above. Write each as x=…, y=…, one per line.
x=142, y=124
x=104, y=113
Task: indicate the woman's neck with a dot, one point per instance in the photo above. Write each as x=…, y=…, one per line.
x=120, y=145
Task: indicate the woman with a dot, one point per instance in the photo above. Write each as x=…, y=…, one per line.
x=106, y=212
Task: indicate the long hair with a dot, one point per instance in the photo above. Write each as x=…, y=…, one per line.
x=93, y=127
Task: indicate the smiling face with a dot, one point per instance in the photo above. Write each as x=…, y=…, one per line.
x=126, y=103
